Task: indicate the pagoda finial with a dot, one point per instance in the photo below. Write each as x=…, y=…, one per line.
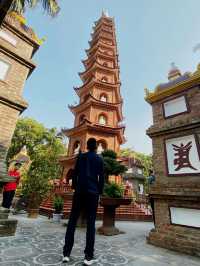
x=105, y=13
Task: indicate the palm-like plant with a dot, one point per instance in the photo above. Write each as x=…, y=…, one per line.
x=50, y=6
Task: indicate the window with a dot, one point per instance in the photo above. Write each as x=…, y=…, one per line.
x=104, y=79
x=7, y=37
x=76, y=147
x=103, y=97
x=3, y=69
x=102, y=119
x=101, y=146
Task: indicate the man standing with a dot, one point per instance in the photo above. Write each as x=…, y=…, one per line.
x=10, y=187
x=88, y=182
x=151, y=181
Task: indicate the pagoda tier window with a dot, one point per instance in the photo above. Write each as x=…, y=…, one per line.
x=82, y=118
x=103, y=97
x=101, y=146
x=105, y=64
x=102, y=119
x=104, y=79
x=76, y=147
x=4, y=68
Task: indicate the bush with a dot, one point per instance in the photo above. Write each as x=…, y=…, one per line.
x=113, y=190
x=58, y=204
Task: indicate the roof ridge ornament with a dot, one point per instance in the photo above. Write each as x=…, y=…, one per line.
x=174, y=72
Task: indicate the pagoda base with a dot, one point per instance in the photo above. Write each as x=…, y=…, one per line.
x=177, y=223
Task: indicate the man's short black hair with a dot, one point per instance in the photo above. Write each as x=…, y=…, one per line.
x=91, y=144
x=150, y=172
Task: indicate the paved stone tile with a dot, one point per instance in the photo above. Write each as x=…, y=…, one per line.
x=39, y=242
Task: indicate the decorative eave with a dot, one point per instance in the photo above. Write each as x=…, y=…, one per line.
x=107, y=20
x=119, y=131
x=28, y=63
x=84, y=75
x=87, y=62
x=192, y=81
x=102, y=29
x=95, y=82
x=14, y=102
x=101, y=36
x=91, y=100
x=99, y=44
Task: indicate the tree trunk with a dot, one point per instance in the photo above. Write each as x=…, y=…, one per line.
x=4, y=8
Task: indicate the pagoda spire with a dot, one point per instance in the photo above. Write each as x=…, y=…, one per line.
x=99, y=111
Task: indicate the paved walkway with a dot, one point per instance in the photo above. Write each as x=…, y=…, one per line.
x=39, y=242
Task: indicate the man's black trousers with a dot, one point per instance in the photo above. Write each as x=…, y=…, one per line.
x=88, y=203
x=8, y=198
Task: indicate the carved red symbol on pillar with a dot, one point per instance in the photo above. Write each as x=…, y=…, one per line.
x=182, y=153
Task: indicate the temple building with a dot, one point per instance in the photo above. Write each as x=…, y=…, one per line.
x=134, y=175
x=99, y=111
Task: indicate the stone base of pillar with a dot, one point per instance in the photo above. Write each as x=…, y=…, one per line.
x=186, y=243
x=7, y=226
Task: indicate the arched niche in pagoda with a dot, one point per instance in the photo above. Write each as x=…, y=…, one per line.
x=82, y=118
x=76, y=147
x=102, y=119
x=103, y=97
x=101, y=146
x=69, y=175
x=104, y=79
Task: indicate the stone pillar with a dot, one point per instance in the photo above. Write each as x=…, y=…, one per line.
x=175, y=137
x=18, y=43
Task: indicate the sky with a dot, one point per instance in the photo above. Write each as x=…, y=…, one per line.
x=151, y=34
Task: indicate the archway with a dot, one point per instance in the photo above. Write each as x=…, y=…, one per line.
x=101, y=146
x=76, y=147
x=102, y=119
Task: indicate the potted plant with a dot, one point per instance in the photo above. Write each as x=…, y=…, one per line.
x=113, y=194
x=35, y=188
x=58, y=204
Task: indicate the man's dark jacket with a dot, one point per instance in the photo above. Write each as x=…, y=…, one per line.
x=88, y=174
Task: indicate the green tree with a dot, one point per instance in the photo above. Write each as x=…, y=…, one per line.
x=111, y=165
x=44, y=147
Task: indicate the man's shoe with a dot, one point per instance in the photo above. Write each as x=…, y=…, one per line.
x=65, y=259
x=90, y=260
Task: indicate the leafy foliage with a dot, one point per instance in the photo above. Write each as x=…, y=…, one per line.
x=111, y=165
x=50, y=6
x=113, y=190
x=43, y=147
x=58, y=204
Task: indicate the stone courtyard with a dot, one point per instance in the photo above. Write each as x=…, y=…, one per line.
x=39, y=242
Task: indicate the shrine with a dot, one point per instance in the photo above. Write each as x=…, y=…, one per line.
x=99, y=112
x=175, y=136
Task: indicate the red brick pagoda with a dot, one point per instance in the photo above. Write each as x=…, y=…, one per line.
x=98, y=115
x=99, y=111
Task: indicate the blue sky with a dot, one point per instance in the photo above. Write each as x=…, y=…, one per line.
x=150, y=33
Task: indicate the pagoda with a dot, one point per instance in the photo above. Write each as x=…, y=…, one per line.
x=99, y=111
